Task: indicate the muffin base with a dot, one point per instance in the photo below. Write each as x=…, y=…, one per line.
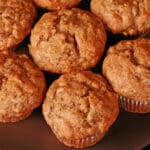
x=12, y=119
x=134, y=106
x=83, y=142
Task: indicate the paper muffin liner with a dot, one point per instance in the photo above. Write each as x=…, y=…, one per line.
x=83, y=142
x=134, y=106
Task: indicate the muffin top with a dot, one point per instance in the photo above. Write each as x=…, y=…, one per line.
x=22, y=86
x=127, y=68
x=81, y=104
x=56, y=4
x=67, y=40
x=129, y=17
x=16, y=19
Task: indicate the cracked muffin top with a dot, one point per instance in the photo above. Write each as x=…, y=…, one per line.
x=56, y=4
x=16, y=19
x=22, y=86
x=80, y=105
x=127, y=68
x=67, y=40
x=129, y=17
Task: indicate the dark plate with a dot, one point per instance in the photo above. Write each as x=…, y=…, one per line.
x=130, y=132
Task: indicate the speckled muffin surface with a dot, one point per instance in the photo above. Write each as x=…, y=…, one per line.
x=80, y=108
x=22, y=87
x=56, y=4
x=16, y=19
x=67, y=40
x=129, y=17
x=127, y=68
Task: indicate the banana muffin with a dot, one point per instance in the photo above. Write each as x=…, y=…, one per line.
x=22, y=87
x=80, y=108
x=127, y=68
x=128, y=17
x=56, y=4
x=67, y=40
x=16, y=20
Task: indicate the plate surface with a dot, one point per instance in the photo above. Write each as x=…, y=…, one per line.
x=130, y=132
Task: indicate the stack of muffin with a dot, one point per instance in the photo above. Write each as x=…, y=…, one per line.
x=81, y=105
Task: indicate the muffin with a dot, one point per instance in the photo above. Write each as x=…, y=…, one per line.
x=67, y=40
x=127, y=68
x=22, y=87
x=16, y=19
x=56, y=4
x=127, y=17
x=80, y=108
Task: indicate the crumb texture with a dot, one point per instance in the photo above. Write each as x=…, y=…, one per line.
x=22, y=87
x=129, y=17
x=64, y=41
x=82, y=105
x=16, y=19
x=127, y=67
x=56, y=4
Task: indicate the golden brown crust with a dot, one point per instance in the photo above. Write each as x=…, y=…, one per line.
x=127, y=68
x=56, y=4
x=22, y=87
x=16, y=19
x=129, y=17
x=64, y=41
x=81, y=104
